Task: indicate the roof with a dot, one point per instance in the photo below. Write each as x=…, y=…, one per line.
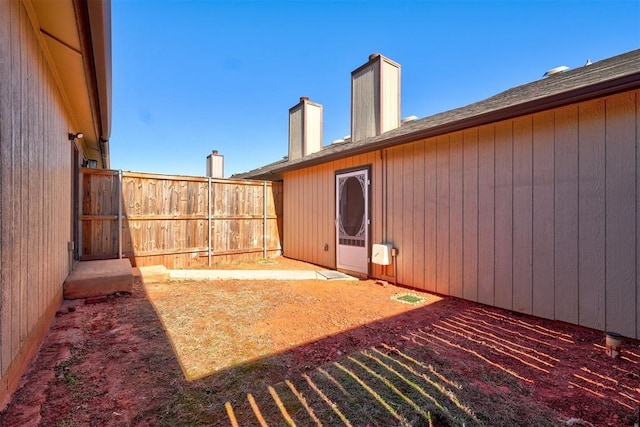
x=76, y=37
x=601, y=78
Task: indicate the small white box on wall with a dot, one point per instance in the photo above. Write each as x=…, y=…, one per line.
x=381, y=253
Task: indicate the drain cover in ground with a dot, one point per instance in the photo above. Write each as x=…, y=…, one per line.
x=412, y=299
x=333, y=275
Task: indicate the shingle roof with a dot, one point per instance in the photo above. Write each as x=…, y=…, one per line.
x=600, y=78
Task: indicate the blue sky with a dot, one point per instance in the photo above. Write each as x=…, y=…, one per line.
x=194, y=76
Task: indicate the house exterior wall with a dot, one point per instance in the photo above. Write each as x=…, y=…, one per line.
x=35, y=194
x=309, y=209
x=536, y=214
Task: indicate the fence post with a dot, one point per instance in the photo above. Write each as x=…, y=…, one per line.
x=264, y=219
x=209, y=197
x=119, y=213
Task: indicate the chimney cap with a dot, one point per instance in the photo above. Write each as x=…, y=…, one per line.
x=304, y=98
x=373, y=56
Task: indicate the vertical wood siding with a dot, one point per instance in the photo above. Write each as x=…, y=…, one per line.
x=537, y=214
x=309, y=210
x=470, y=215
x=35, y=191
x=543, y=254
x=566, y=214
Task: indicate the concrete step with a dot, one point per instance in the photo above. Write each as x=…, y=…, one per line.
x=99, y=278
x=151, y=273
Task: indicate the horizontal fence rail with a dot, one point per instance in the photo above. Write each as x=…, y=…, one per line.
x=177, y=221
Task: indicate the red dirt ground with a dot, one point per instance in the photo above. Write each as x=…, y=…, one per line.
x=107, y=361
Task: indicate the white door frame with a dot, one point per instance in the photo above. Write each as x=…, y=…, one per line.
x=352, y=232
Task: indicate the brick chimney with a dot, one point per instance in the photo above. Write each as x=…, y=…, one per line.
x=305, y=128
x=375, y=97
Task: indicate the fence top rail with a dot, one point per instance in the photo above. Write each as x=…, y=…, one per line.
x=149, y=175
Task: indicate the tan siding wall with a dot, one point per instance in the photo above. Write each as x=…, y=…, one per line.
x=470, y=215
x=309, y=209
x=621, y=178
x=542, y=215
x=486, y=214
x=566, y=215
x=35, y=188
x=591, y=214
x=537, y=214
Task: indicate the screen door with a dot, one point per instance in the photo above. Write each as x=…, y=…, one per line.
x=352, y=221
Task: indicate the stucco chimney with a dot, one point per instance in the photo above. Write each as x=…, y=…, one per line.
x=305, y=128
x=215, y=165
x=375, y=97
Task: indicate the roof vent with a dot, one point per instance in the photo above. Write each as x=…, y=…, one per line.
x=588, y=62
x=409, y=119
x=556, y=70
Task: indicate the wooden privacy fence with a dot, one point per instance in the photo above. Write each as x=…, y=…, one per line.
x=177, y=221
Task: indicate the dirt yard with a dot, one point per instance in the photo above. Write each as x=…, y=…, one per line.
x=317, y=353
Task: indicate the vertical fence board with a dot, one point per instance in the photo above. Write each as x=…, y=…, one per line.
x=166, y=218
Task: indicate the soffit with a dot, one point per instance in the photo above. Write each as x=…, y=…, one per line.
x=62, y=29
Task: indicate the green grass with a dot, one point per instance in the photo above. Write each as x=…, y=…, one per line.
x=412, y=299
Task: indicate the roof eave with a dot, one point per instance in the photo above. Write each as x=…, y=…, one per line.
x=96, y=41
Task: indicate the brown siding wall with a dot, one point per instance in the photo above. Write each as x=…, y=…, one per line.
x=537, y=214
x=309, y=209
x=35, y=194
